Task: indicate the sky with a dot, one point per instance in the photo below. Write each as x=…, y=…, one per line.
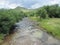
x=30, y=4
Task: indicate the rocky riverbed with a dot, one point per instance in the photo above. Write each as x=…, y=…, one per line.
x=28, y=34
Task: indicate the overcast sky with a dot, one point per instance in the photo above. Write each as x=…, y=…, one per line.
x=32, y=4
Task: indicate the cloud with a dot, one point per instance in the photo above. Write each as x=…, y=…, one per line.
x=54, y=2
x=35, y=6
x=26, y=3
x=12, y=6
x=3, y=3
x=7, y=4
x=44, y=2
x=14, y=3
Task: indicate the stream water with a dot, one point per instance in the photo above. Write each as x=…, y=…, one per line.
x=28, y=34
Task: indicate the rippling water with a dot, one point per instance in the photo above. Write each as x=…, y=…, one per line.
x=28, y=34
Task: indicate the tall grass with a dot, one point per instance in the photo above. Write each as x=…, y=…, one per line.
x=51, y=25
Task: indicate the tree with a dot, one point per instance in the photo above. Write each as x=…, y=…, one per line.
x=42, y=13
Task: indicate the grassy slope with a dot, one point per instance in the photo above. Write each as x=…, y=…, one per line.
x=51, y=25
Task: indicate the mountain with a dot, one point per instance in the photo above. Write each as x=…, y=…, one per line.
x=18, y=9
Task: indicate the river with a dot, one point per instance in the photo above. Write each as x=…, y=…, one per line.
x=28, y=34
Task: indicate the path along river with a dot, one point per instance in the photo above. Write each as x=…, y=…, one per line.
x=28, y=34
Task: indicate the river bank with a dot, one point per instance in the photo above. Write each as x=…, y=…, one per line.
x=28, y=34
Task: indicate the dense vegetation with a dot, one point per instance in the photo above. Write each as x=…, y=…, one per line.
x=52, y=11
x=49, y=19
x=8, y=18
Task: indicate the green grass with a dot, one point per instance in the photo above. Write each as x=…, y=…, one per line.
x=52, y=25
x=1, y=37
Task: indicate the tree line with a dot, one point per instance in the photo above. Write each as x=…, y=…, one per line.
x=52, y=11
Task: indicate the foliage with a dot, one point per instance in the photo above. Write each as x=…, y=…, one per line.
x=42, y=13
x=8, y=18
x=52, y=26
x=52, y=11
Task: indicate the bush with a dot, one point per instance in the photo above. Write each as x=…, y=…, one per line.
x=8, y=18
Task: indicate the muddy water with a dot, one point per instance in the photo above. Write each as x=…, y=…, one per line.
x=28, y=34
